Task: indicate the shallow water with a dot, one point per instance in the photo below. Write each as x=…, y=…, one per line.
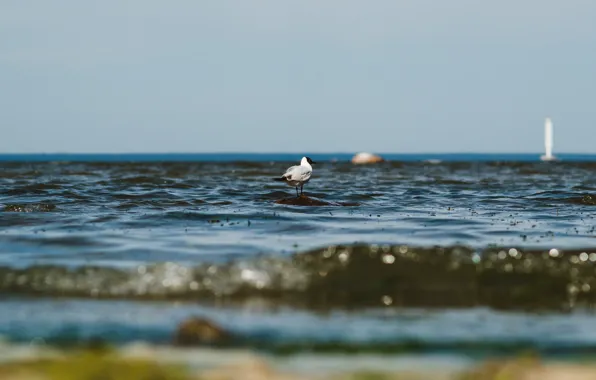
x=474, y=236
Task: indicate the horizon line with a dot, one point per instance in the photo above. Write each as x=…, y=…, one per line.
x=287, y=153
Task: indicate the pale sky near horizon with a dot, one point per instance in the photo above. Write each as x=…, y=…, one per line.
x=297, y=76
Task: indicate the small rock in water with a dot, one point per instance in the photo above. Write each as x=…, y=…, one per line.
x=198, y=331
x=366, y=158
x=304, y=200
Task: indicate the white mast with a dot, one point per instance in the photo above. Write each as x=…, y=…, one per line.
x=548, y=141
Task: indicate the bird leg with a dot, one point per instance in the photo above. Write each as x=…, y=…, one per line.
x=301, y=189
x=297, y=196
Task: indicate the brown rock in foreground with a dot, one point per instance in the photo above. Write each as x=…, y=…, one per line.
x=198, y=331
x=366, y=158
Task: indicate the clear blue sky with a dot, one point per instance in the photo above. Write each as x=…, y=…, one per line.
x=295, y=76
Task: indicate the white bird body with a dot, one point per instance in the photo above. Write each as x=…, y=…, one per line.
x=296, y=176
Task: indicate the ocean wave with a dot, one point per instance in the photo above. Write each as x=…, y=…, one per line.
x=349, y=276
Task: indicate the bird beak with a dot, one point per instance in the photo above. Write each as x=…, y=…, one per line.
x=312, y=162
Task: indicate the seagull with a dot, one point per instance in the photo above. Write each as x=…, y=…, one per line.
x=298, y=175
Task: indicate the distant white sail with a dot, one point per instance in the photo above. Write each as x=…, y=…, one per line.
x=548, y=141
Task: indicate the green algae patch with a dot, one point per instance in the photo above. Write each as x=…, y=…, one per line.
x=90, y=366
